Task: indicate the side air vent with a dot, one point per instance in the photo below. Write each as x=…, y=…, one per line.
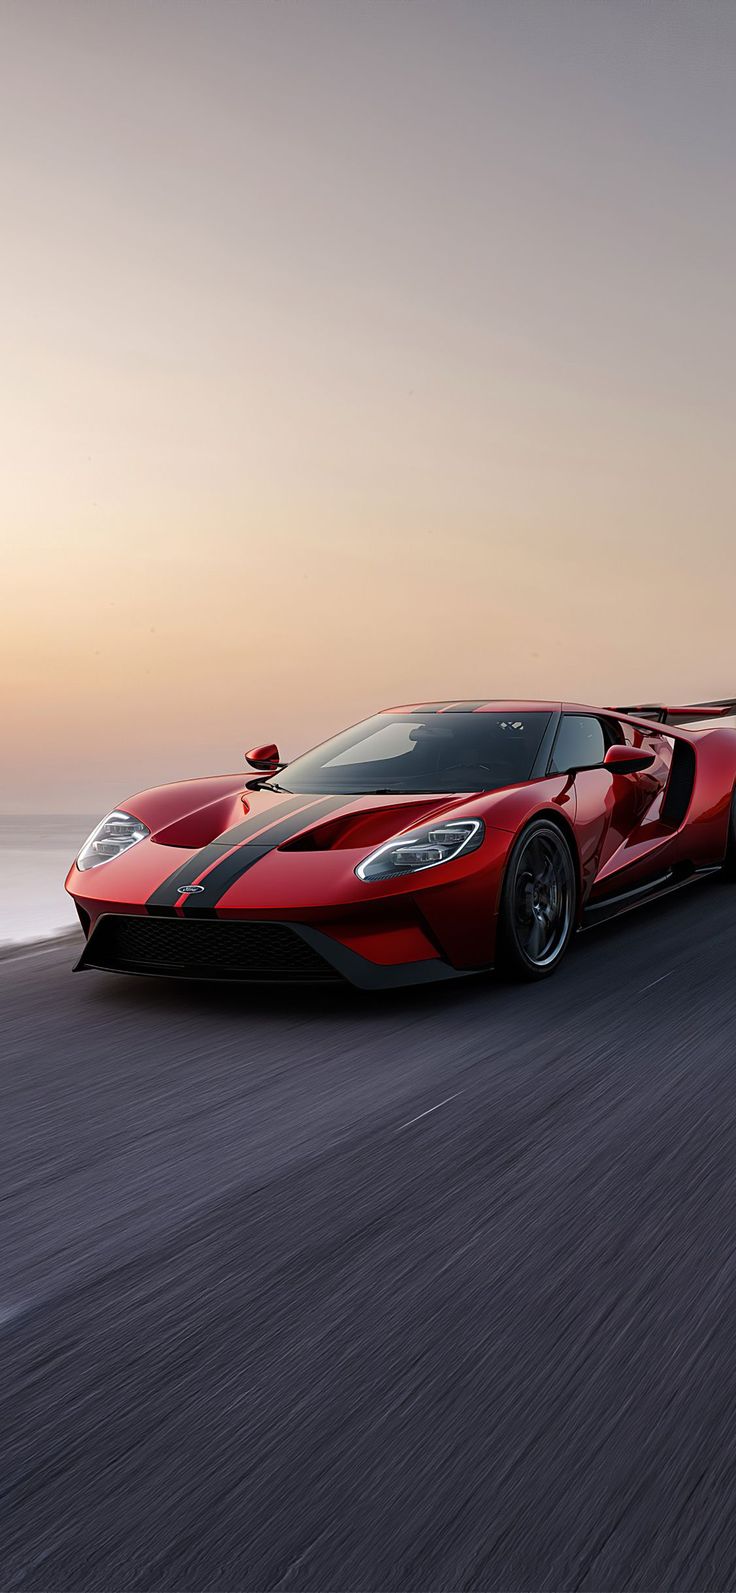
x=680, y=785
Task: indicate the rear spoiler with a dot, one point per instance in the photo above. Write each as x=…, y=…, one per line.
x=664, y=715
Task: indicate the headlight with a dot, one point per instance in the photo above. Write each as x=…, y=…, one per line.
x=419, y=849
x=114, y=835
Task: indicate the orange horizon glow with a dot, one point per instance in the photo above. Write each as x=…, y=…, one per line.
x=354, y=355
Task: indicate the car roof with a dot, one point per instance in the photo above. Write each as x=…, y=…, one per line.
x=480, y=705
x=518, y=705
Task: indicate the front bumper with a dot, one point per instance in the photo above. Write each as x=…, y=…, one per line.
x=251, y=951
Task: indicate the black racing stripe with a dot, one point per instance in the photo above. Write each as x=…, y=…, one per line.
x=163, y=900
x=459, y=707
x=232, y=867
x=408, y=710
x=448, y=707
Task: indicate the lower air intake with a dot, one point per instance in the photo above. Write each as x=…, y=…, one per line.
x=216, y=949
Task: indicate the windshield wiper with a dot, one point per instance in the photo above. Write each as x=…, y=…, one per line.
x=268, y=785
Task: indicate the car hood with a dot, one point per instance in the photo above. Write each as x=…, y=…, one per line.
x=216, y=844
x=190, y=817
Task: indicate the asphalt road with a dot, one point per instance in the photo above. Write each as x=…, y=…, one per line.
x=323, y=1291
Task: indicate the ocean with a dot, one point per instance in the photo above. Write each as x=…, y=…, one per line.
x=36, y=850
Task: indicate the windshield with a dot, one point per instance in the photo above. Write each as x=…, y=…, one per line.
x=426, y=752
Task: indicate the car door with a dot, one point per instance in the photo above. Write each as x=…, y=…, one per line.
x=611, y=809
x=644, y=842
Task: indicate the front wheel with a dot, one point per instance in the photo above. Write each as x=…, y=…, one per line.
x=537, y=914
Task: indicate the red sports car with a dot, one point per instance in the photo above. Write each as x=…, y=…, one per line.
x=428, y=842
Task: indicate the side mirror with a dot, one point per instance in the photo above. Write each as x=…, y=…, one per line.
x=265, y=759
x=627, y=760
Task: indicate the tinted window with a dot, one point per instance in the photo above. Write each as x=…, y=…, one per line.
x=423, y=752
x=580, y=744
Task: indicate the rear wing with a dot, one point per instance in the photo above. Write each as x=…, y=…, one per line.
x=664, y=715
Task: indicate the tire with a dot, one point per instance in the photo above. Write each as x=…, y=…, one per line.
x=538, y=902
x=729, y=863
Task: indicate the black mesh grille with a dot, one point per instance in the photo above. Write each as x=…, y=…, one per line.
x=216, y=949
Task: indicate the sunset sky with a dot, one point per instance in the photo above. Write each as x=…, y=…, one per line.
x=353, y=353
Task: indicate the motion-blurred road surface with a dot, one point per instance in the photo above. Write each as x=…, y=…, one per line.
x=313, y=1290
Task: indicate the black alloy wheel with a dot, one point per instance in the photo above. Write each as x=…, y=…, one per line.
x=537, y=914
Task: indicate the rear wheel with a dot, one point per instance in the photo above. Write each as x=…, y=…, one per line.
x=729, y=865
x=537, y=914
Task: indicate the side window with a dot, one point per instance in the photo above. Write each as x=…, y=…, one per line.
x=580, y=744
x=613, y=732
